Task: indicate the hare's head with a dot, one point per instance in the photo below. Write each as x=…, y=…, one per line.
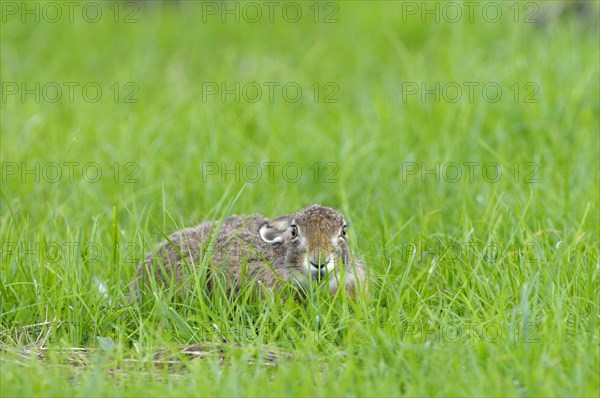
x=314, y=245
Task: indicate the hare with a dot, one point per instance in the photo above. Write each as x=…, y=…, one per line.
x=298, y=249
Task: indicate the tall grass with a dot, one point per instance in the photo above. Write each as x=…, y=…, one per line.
x=482, y=283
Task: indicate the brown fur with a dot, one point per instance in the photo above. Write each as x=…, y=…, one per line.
x=252, y=249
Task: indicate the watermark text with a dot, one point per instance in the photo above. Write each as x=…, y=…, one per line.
x=454, y=172
x=70, y=92
x=252, y=92
x=55, y=172
x=92, y=12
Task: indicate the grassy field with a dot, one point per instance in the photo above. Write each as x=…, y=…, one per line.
x=462, y=148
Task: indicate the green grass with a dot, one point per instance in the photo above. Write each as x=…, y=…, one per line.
x=479, y=287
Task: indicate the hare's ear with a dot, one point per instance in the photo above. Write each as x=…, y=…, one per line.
x=274, y=230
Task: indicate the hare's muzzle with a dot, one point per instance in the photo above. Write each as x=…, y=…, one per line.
x=318, y=270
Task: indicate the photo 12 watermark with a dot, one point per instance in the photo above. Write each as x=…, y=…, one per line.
x=470, y=92
x=69, y=92
x=453, y=12
x=415, y=332
x=320, y=331
x=468, y=332
x=92, y=12
x=468, y=252
x=271, y=172
x=252, y=92
x=325, y=12
x=471, y=172
x=70, y=252
x=70, y=172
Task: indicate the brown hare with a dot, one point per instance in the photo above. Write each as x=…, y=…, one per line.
x=298, y=249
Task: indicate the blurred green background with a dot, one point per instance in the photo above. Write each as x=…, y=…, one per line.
x=170, y=53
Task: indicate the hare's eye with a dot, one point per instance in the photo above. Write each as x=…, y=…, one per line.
x=344, y=230
x=294, y=231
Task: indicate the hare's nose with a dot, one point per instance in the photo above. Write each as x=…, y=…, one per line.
x=318, y=271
